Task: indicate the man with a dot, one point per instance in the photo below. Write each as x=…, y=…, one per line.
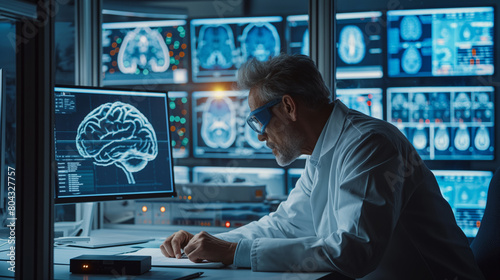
x=365, y=206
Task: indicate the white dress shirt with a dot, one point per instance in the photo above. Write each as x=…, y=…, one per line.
x=366, y=206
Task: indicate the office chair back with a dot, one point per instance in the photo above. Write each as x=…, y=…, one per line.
x=486, y=245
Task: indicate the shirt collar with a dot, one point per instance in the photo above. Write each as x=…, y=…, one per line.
x=331, y=132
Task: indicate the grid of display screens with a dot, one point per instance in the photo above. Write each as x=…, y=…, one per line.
x=151, y=51
x=466, y=191
x=440, y=42
x=273, y=178
x=297, y=34
x=220, y=129
x=111, y=144
x=220, y=46
x=365, y=100
x=359, y=45
x=445, y=123
x=179, y=123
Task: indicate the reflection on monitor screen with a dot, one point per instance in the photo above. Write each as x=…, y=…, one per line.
x=293, y=176
x=440, y=42
x=221, y=45
x=466, y=191
x=181, y=174
x=445, y=122
x=297, y=34
x=179, y=123
x=220, y=129
x=273, y=178
x=111, y=144
x=359, y=45
x=365, y=100
x=144, y=52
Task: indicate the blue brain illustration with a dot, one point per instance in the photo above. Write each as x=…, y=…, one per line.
x=117, y=133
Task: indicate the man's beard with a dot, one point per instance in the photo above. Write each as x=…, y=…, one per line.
x=289, y=151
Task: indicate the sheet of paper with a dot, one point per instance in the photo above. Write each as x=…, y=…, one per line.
x=158, y=259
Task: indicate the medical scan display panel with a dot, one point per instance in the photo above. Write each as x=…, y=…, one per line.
x=466, y=191
x=181, y=174
x=445, y=123
x=273, y=178
x=440, y=42
x=145, y=52
x=220, y=129
x=179, y=123
x=111, y=144
x=221, y=45
x=297, y=34
x=365, y=100
x=359, y=45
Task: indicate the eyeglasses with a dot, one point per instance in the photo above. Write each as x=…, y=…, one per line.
x=260, y=117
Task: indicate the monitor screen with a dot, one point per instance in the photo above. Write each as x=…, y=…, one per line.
x=365, y=100
x=220, y=129
x=273, y=178
x=359, y=45
x=111, y=144
x=179, y=123
x=181, y=174
x=466, y=191
x=145, y=52
x=292, y=176
x=440, y=42
x=221, y=45
x=445, y=123
x=297, y=34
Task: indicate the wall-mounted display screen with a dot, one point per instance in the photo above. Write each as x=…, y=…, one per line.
x=179, y=123
x=221, y=45
x=181, y=174
x=297, y=34
x=147, y=51
x=365, y=100
x=359, y=45
x=466, y=191
x=440, y=42
x=273, y=178
x=220, y=129
x=445, y=123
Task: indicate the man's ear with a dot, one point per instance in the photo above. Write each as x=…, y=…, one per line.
x=290, y=107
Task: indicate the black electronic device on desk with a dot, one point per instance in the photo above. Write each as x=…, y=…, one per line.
x=116, y=264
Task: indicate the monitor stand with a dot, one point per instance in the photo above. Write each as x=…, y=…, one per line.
x=81, y=236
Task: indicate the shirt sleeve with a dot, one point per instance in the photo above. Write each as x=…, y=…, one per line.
x=366, y=209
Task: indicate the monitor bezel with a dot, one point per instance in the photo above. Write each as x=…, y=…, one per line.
x=100, y=198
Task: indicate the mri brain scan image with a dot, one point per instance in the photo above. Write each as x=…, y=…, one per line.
x=442, y=139
x=411, y=28
x=260, y=40
x=218, y=128
x=351, y=45
x=462, y=139
x=411, y=60
x=482, y=139
x=143, y=48
x=420, y=139
x=216, y=47
x=117, y=133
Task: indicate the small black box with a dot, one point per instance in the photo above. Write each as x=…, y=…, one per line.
x=116, y=264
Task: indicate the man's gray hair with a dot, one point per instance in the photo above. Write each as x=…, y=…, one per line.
x=295, y=75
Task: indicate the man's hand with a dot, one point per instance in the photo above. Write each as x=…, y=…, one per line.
x=171, y=247
x=204, y=246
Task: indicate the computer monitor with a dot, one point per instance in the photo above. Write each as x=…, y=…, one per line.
x=466, y=191
x=297, y=34
x=220, y=129
x=221, y=45
x=365, y=100
x=111, y=145
x=445, y=123
x=181, y=174
x=178, y=104
x=292, y=176
x=273, y=178
x=359, y=45
x=440, y=42
x=145, y=52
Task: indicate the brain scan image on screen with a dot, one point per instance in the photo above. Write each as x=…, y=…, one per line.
x=411, y=28
x=482, y=139
x=411, y=61
x=484, y=107
x=297, y=34
x=117, y=133
x=218, y=128
x=419, y=140
x=442, y=139
x=462, y=138
x=216, y=47
x=352, y=45
x=143, y=48
x=260, y=41
x=463, y=106
x=365, y=100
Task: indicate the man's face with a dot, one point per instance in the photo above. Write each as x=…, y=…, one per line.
x=280, y=135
